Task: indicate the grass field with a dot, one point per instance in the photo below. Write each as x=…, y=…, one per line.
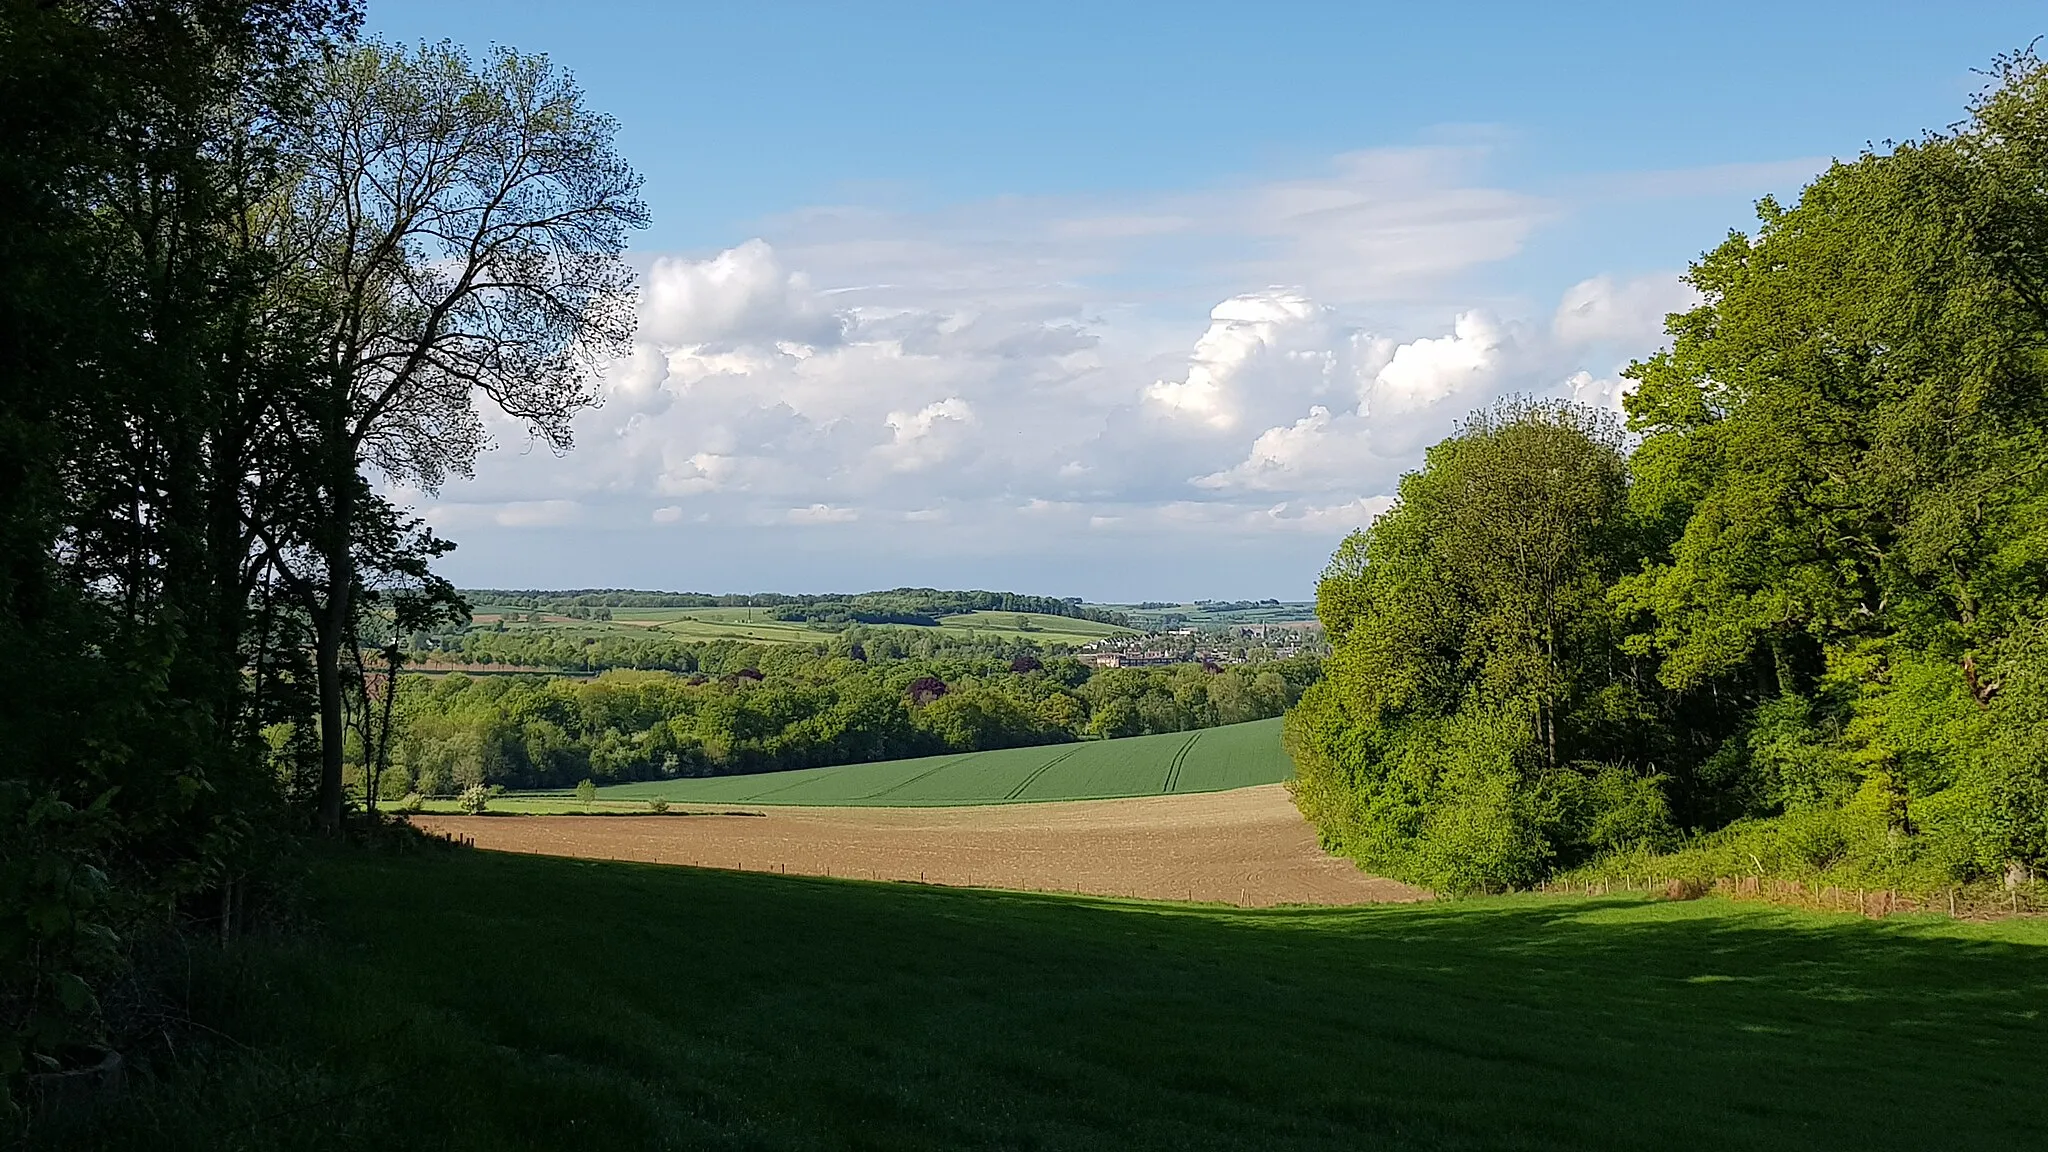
x=1038, y=626
x=469, y=1000
x=1209, y=760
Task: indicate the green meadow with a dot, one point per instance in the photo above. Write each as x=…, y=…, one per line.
x=471, y=1000
x=1207, y=760
x=1031, y=626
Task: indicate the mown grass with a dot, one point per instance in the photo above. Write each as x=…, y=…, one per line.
x=471, y=1000
x=1209, y=760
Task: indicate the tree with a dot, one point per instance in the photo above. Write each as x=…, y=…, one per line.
x=1849, y=435
x=457, y=229
x=135, y=136
x=1473, y=655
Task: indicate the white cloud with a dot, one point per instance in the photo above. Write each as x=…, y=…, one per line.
x=1261, y=333
x=1426, y=372
x=449, y=515
x=741, y=296
x=1602, y=310
x=822, y=514
x=927, y=436
x=1047, y=374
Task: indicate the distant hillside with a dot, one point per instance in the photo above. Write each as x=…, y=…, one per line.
x=1209, y=615
x=895, y=606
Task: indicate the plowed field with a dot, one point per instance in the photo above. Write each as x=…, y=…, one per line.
x=1248, y=846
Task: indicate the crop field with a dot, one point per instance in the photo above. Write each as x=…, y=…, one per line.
x=755, y=632
x=1209, y=760
x=1034, y=626
x=483, y=1000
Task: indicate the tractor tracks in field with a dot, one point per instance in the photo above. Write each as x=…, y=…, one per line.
x=940, y=767
x=1014, y=793
x=1180, y=758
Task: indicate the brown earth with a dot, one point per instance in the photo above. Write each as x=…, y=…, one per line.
x=1248, y=846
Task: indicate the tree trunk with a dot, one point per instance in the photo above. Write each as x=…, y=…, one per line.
x=331, y=631
x=327, y=665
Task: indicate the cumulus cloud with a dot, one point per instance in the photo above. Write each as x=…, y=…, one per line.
x=1014, y=374
x=927, y=436
x=1425, y=372
x=1276, y=332
x=741, y=296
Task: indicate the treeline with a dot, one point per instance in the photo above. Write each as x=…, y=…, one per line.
x=248, y=266
x=570, y=652
x=775, y=707
x=1792, y=620
x=895, y=606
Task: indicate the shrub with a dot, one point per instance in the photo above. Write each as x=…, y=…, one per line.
x=586, y=793
x=657, y=805
x=475, y=799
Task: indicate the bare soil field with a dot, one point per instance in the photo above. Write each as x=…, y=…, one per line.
x=1247, y=847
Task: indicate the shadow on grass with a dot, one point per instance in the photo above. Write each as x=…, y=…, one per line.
x=477, y=1000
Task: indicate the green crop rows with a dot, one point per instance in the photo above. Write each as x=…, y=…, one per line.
x=1210, y=760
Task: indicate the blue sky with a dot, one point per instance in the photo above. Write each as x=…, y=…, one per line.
x=1137, y=300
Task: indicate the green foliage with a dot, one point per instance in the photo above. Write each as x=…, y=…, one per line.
x=586, y=792
x=810, y=707
x=476, y=799
x=1800, y=624
x=144, y=658
x=1473, y=666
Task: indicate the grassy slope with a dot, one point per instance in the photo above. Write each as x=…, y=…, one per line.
x=470, y=1000
x=1043, y=628
x=1218, y=758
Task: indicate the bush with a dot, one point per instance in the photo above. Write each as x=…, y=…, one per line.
x=476, y=799
x=657, y=805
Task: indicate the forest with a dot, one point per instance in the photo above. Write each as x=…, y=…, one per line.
x=254, y=271
x=777, y=707
x=1788, y=618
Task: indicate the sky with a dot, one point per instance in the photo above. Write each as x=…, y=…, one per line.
x=1129, y=300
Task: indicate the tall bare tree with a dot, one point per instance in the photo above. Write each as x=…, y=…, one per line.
x=459, y=228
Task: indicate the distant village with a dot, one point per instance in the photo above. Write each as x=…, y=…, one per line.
x=1236, y=644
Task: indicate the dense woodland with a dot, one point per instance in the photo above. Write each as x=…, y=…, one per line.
x=1791, y=619
x=250, y=267
x=568, y=650
x=758, y=709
